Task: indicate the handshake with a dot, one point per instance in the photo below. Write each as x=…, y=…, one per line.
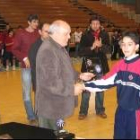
x=79, y=86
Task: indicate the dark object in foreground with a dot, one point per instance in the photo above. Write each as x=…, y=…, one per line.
x=22, y=131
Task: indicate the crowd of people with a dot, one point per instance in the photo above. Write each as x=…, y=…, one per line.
x=7, y=60
x=46, y=64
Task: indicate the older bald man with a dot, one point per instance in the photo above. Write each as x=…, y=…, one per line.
x=55, y=94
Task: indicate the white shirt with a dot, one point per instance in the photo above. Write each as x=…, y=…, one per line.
x=77, y=36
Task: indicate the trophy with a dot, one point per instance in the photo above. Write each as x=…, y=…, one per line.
x=61, y=133
x=60, y=124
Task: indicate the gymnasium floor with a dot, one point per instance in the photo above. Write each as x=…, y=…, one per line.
x=12, y=109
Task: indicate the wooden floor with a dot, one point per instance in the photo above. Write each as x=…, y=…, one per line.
x=12, y=109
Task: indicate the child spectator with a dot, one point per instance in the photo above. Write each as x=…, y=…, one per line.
x=9, y=40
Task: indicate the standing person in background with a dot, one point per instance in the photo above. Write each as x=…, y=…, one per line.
x=115, y=45
x=55, y=77
x=9, y=41
x=43, y=32
x=93, y=48
x=5, y=34
x=77, y=34
x=22, y=43
x=77, y=38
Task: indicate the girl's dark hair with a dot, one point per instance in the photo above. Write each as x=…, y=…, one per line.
x=133, y=35
x=32, y=17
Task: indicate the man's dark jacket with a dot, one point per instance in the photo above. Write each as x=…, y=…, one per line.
x=32, y=58
x=85, y=51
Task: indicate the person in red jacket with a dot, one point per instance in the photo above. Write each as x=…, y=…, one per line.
x=22, y=43
x=9, y=41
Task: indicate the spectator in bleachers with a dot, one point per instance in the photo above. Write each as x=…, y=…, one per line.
x=93, y=47
x=43, y=31
x=22, y=43
x=9, y=41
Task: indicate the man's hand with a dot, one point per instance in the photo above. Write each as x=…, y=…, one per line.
x=86, y=76
x=78, y=88
x=96, y=44
x=27, y=63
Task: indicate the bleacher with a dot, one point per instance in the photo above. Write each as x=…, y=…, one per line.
x=128, y=10
x=76, y=13
x=107, y=12
x=16, y=12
